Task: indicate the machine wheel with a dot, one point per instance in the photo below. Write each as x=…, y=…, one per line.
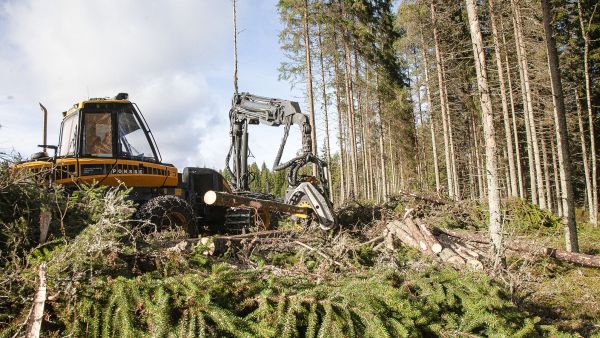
x=168, y=212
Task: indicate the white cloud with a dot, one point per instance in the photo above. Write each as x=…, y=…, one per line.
x=160, y=52
x=174, y=58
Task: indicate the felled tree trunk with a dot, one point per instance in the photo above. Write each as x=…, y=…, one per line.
x=34, y=322
x=530, y=247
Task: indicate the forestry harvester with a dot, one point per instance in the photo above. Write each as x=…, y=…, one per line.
x=107, y=141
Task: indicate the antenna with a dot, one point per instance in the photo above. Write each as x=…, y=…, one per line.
x=235, y=64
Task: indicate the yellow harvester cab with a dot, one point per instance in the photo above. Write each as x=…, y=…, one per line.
x=107, y=141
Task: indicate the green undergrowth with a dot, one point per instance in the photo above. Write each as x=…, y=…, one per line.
x=522, y=217
x=104, y=279
x=223, y=300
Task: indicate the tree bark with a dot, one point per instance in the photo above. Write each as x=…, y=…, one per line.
x=560, y=121
x=495, y=226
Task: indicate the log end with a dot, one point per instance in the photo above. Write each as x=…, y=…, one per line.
x=210, y=197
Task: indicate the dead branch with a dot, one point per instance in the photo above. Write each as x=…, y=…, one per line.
x=320, y=253
x=432, y=200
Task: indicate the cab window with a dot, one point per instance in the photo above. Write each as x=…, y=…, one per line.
x=133, y=142
x=68, y=138
x=97, y=135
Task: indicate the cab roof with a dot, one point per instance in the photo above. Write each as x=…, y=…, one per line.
x=119, y=98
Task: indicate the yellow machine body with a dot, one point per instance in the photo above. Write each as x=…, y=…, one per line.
x=109, y=172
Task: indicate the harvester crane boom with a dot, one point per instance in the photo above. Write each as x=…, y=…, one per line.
x=252, y=109
x=306, y=191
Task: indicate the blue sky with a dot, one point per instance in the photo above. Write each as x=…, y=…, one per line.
x=174, y=58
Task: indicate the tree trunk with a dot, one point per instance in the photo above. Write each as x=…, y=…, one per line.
x=564, y=160
x=488, y=129
x=588, y=96
x=34, y=322
x=392, y=182
x=556, y=180
x=509, y=145
x=546, y=172
x=443, y=105
x=309, y=86
x=456, y=183
x=325, y=112
x=416, y=132
x=431, y=120
x=528, y=103
x=586, y=165
x=471, y=175
x=514, y=120
x=350, y=110
x=480, y=186
x=527, y=246
x=359, y=103
x=338, y=105
x=384, y=191
x=369, y=162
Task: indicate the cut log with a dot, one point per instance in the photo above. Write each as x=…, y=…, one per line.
x=470, y=256
x=396, y=228
x=413, y=230
x=389, y=242
x=432, y=242
x=450, y=256
x=463, y=249
x=530, y=247
x=408, y=213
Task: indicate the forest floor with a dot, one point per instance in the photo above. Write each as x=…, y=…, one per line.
x=106, y=279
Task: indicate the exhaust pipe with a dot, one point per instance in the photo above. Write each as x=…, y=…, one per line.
x=45, y=135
